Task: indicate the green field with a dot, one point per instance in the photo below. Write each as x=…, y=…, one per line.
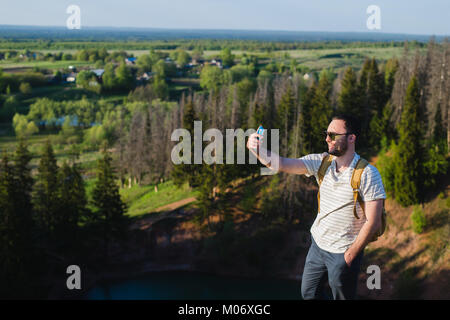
x=9, y=66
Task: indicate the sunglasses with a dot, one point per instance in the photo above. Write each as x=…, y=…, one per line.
x=334, y=135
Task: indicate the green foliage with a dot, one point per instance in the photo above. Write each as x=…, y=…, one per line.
x=88, y=80
x=70, y=133
x=85, y=111
x=211, y=78
x=45, y=195
x=418, y=220
x=434, y=167
x=286, y=117
x=264, y=75
x=95, y=136
x=380, y=127
x=83, y=55
x=306, y=113
x=350, y=100
x=386, y=166
x=9, y=108
x=409, y=155
x=320, y=114
x=240, y=72
x=160, y=68
x=109, y=207
x=227, y=57
x=22, y=127
x=160, y=87
x=439, y=133
x=389, y=75
x=271, y=199
x=144, y=63
x=184, y=172
x=25, y=88
x=197, y=53
x=72, y=204
x=15, y=225
x=181, y=57
x=375, y=89
x=124, y=77
x=249, y=198
x=109, y=78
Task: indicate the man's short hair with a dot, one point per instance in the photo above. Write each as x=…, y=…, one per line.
x=352, y=124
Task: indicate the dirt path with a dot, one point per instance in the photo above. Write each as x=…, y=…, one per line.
x=161, y=213
x=174, y=205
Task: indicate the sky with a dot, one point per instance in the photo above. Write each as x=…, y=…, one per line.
x=396, y=16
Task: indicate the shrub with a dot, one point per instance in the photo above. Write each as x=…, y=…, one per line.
x=385, y=165
x=418, y=220
x=25, y=88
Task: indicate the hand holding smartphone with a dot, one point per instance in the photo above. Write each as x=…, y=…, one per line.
x=255, y=139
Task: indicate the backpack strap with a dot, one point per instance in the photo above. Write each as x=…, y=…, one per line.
x=326, y=162
x=356, y=182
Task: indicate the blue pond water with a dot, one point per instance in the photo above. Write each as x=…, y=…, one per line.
x=184, y=285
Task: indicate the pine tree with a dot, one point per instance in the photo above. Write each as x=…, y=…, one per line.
x=24, y=180
x=436, y=164
x=364, y=114
x=183, y=172
x=8, y=227
x=16, y=224
x=308, y=106
x=45, y=195
x=349, y=100
x=320, y=114
x=285, y=117
x=409, y=156
x=109, y=208
x=389, y=76
x=375, y=89
x=439, y=133
x=73, y=201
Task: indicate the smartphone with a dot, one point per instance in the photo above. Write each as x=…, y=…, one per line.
x=260, y=130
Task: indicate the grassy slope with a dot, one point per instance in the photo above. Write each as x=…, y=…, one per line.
x=143, y=199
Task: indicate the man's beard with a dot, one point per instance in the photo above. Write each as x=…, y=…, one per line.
x=339, y=149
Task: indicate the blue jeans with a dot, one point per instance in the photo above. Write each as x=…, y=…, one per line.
x=341, y=278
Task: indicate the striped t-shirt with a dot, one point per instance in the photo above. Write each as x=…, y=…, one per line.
x=335, y=227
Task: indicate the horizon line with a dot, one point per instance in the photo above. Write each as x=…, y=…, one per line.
x=225, y=29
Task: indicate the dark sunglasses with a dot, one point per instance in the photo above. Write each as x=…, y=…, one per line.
x=334, y=135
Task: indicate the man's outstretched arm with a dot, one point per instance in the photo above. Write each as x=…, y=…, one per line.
x=270, y=159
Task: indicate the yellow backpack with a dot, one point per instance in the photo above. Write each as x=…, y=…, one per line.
x=355, y=183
